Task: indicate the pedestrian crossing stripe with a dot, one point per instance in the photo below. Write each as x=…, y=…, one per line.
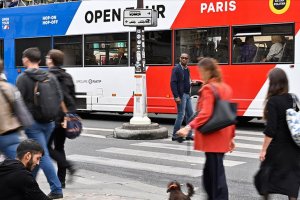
x=165, y=156
x=136, y=165
x=184, y=148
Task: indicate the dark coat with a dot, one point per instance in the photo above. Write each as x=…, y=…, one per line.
x=17, y=183
x=177, y=81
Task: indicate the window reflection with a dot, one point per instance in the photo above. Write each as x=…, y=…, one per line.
x=205, y=42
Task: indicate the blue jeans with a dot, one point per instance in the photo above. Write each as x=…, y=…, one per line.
x=9, y=144
x=41, y=133
x=184, y=111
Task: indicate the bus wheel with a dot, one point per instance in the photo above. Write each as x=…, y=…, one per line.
x=244, y=119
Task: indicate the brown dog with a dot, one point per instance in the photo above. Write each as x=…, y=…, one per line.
x=176, y=193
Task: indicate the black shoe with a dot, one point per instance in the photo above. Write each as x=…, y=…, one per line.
x=178, y=139
x=55, y=196
x=190, y=138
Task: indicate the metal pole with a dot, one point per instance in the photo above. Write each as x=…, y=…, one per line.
x=140, y=94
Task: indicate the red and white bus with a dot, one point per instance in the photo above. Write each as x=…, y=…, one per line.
x=92, y=35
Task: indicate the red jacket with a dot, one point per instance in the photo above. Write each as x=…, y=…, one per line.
x=218, y=141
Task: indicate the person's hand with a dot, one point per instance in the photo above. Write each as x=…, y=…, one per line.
x=231, y=145
x=262, y=155
x=178, y=100
x=183, y=132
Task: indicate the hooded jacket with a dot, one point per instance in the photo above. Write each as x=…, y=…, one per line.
x=26, y=83
x=17, y=183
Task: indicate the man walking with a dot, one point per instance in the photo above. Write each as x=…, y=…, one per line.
x=16, y=180
x=181, y=86
x=42, y=96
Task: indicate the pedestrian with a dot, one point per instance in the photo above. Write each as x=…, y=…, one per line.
x=9, y=124
x=17, y=182
x=280, y=167
x=54, y=60
x=181, y=87
x=42, y=95
x=217, y=143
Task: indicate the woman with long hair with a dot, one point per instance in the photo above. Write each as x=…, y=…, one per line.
x=217, y=143
x=280, y=155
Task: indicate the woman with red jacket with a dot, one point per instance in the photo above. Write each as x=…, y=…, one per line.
x=215, y=144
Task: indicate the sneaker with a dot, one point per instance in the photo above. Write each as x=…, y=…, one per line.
x=55, y=196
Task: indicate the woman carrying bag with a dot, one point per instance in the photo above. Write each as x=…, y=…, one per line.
x=214, y=144
x=279, y=172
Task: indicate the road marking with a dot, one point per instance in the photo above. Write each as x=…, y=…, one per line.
x=93, y=135
x=184, y=148
x=165, y=156
x=249, y=133
x=98, y=129
x=248, y=146
x=137, y=165
x=256, y=139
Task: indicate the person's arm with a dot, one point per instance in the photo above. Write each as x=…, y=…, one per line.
x=271, y=127
x=206, y=106
x=274, y=50
x=58, y=88
x=32, y=190
x=173, y=83
x=20, y=83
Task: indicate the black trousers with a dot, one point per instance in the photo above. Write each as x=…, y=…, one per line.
x=56, y=148
x=214, y=179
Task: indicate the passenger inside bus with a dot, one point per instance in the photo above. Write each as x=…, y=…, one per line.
x=236, y=50
x=222, y=50
x=276, y=50
x=248, y=50
x=198, y=50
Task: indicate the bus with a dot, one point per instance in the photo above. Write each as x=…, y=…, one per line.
x=100, y=51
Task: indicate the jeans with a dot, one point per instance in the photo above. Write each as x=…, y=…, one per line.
x=9, y=144
x=41, y=133
x=184, y=111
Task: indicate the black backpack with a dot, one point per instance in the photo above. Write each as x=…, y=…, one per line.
x=46, y=100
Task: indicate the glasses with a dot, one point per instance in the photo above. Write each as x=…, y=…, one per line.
x=184, y=58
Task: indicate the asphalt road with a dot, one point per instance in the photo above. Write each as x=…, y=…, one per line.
x=116, y=169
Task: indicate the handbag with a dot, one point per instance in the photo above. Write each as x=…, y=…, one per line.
x=72, y=123
x=293, y=120
x=224, y=114
x=19, y=108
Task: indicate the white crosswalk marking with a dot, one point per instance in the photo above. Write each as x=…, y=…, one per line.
x=256, y=139
x=183, y=148
x=136, y=165
x=165, y=156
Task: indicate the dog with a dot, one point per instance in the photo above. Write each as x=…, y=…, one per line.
x=176, y=193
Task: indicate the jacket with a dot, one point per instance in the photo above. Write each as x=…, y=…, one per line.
x=8, y=121
x=68, y=89
x=26, y=83
x=177, y=81
x=17, y=183
x=220, y=140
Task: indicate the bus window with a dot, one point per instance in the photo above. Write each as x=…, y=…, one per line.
x=263, y=43
x=203, y=42
x=158, y=47
x=106, y=49
x=72, y=48
x=44, y=44
x=1, y=49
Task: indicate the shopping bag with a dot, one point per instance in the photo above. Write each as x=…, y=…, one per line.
x=293, y=120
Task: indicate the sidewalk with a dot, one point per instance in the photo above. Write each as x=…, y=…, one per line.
x=97, y=186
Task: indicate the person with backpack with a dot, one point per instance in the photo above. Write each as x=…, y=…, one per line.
x=43, y=96
x=54, y=60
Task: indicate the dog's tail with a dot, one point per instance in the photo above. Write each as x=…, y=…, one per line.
x=191, y=190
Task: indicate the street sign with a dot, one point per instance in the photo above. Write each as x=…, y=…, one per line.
x=140, y=17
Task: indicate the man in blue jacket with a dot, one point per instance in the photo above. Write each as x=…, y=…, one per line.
x=181, y=86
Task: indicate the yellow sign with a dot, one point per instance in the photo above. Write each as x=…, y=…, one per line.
x=279, y=6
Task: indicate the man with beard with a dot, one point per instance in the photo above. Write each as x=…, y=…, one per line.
x=17, y=182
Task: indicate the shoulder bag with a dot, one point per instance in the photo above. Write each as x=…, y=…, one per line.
x=224, y=114
x=72, y=123
x=293, y=120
